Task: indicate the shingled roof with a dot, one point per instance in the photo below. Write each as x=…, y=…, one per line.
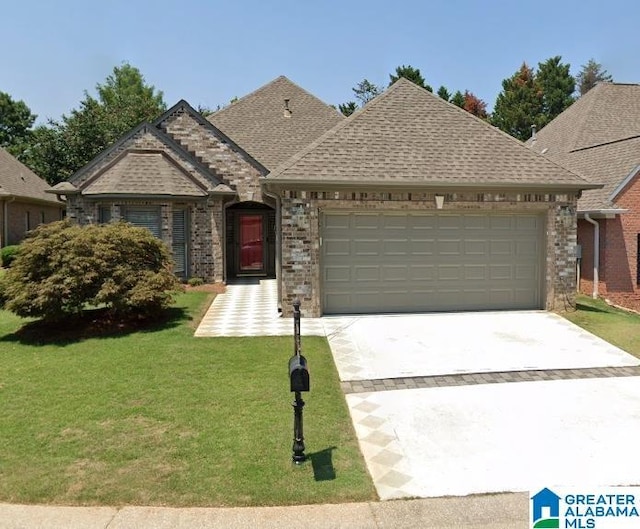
x=270, y=130
x=598, y=137
x=148, y=172
x=17, y=180
x=410, y=137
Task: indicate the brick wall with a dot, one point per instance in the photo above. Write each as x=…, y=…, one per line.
x=25, y=216
x=301, y=248
x=618, y=252
x=228, y=164
x=205, y=227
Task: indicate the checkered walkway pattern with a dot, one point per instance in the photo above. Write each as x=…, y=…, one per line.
x=250, y=308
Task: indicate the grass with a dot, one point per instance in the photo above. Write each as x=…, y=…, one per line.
x=158, y=417
x=619, y=327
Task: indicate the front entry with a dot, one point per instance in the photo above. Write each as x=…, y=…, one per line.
x=250, y=240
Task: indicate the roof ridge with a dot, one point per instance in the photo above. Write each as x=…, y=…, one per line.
x=605, y=143
x=250, y=94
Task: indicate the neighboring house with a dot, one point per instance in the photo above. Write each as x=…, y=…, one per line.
x=598, y=137
x=24, y=202
x=410, y=204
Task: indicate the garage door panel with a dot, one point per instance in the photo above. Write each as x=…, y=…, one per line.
x=379, y=262
x=333, y=247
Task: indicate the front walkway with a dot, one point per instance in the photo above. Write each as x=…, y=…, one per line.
x=249, y=307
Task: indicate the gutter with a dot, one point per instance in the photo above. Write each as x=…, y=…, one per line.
x=596, y=253
x=435, y=186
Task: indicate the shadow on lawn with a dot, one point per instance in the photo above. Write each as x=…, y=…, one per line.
x=322, y=463
x=96, y=323
x=589, y=308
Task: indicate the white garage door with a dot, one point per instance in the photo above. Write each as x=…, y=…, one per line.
x=386, y=262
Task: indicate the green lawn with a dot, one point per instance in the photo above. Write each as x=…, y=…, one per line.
x=158, y=417
x=617, y=326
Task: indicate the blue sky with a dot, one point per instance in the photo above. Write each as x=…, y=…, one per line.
x=209, y=51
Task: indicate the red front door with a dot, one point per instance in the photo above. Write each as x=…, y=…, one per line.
x=251, y=230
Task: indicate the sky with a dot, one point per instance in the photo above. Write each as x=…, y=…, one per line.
x=210, y=51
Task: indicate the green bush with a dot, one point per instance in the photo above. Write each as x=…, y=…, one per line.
x=64, y=269
x=195, y=281
x=8, y=254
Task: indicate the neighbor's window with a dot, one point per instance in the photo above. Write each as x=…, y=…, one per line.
x=27, y=221
x=42, y=217
x=104, y=214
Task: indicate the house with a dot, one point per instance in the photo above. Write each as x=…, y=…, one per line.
x=598, y=137
x=410, y=204
x=24, y=202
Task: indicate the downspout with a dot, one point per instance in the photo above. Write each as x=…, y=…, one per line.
x=596, y=253
x=278, y=242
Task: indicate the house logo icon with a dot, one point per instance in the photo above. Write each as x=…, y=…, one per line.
x=545, y=512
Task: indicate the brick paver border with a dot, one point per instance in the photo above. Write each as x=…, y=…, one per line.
x=469, y=379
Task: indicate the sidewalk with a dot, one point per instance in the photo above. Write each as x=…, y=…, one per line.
x=491, y=511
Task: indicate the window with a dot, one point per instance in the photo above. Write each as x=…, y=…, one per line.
x=27, y=221
x=145, y=217
x=42, y=217
x=104, y=214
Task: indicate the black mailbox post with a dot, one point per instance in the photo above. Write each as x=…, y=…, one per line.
x=298, y=381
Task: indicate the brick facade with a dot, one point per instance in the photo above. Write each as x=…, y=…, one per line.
x=24, y=216
x=232, y=167
x=301, y=267
x=618, y=267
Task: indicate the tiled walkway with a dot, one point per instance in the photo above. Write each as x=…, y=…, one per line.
x=250, y=308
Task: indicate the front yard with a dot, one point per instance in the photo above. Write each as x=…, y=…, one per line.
x=619, y=327
x=158, y=417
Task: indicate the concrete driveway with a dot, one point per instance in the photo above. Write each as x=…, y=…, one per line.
x=455, y=404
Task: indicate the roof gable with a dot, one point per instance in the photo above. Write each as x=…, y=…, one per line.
x=271, y=130
x=408, y=136
x=144, y=172
x=128, y=141
x=17, y=180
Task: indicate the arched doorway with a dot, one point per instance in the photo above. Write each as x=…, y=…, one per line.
x=250, y=240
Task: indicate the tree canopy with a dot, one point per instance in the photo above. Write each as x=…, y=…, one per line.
x=410, y=73
x=557, y=86
x=123, y=101
x=591, y=74
x=16, y=121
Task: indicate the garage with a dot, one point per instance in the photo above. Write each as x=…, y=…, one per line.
x=374, y=262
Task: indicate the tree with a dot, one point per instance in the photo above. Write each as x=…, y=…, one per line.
x=557, y=86
x=444, y=93
x=348, y=108
x=474, y=105
x=16, y=121
x=590, y=74
x=520, y=104
x=410, y=73
x=365, y=91
x=457, y=99
x=62, y=269
x=124, y=100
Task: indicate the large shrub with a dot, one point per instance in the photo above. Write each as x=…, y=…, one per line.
x=64, y=269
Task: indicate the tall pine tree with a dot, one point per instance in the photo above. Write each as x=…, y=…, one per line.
x=520, y=104
x=557, y=86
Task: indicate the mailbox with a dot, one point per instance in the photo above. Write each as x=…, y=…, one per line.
x=298, y=373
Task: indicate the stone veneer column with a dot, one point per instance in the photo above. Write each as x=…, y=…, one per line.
x=300, y=263
x=562, y=256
